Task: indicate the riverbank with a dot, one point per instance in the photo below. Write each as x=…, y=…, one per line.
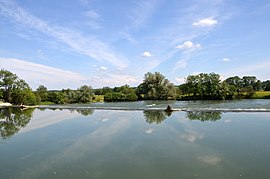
x=3, y=104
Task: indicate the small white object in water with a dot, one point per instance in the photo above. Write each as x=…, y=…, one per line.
x=150, y=105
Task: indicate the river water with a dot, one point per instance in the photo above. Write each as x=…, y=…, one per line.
x=137, y=140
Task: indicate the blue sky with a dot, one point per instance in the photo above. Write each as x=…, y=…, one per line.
x=69, y=43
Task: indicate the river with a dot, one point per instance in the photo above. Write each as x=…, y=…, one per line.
x=202, y=139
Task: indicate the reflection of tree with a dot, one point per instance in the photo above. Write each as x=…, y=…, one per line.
x=13, y=119
x=154, y=116
x=85, y=112
x=204, y=115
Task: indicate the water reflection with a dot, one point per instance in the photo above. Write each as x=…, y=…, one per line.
x=84, y=112
x=204, y=115
x=156, y=117
x=12, y=120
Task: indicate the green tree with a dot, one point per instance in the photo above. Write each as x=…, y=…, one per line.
x=7, y=83
x=235, y=81
x=15, y=90
x=156, y=86
x=85, y=94
x=203, y=86
x=42, y=92
x=266, y=85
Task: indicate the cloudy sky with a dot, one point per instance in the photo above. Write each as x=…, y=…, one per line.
x=69, y=43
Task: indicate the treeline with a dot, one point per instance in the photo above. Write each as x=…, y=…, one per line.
x=210, y=86
x=155, y=86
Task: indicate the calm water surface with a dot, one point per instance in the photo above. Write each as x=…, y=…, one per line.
x=86, y=143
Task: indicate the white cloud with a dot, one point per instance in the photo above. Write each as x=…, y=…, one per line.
x=206, y=22
x=179, y=80
x=86, y=45
x=188, y=45
x=226, y=59
x=37, y=74
x=147, y=54
x=54, y=78
x=103, y=68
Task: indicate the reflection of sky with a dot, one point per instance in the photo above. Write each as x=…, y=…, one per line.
x=191, y=136
x=46, y=118
x=85, y=145
x=210, y=159
x=119, y=140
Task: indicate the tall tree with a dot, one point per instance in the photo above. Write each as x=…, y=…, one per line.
x=156, y=86
x=14, y=89
x=7, y=82
x=42, y=92
x=85, y=94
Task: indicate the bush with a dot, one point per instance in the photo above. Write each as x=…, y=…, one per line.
x=118, y=96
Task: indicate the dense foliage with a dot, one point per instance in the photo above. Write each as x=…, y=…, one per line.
x=210, y=86
x=123, y=93
x=154, y=87
x=15, y=90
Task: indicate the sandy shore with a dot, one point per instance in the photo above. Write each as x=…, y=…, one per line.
x=2, y=104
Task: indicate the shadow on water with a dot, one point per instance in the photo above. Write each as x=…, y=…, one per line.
x=12, y=120
x=204, y=115
x=155, y=117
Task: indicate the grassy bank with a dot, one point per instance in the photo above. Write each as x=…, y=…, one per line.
x=261, y=95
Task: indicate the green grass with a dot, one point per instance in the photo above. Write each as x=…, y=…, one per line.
x=46, y=103
x=261, y=95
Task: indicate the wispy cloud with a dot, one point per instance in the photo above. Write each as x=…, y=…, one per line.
x=54, y=78
x=142, y=12
x=92, y=19
x=37, y=74
x=206, y=22
x=260, y=70
x=86, y=45
x=188, y=48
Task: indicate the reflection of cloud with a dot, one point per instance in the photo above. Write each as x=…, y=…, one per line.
x=228, y=121
x=149, y=131
x=210, y=159
x=192, y=136
x=96, y=141
x=104, y=119
x=46, y=118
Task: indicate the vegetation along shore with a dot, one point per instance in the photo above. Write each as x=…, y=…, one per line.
x=155, y=86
